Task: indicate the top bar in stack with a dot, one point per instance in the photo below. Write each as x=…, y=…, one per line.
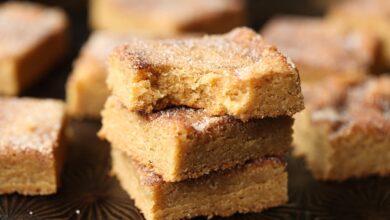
x=236, y=74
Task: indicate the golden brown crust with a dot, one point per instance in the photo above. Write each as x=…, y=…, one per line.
x=317, y=46
x=228, y=54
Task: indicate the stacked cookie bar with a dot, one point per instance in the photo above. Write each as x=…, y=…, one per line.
x=199, y=126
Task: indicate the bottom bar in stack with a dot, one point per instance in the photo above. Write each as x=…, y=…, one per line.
x=251, y=187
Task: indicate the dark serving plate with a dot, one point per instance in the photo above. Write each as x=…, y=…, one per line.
x=88, y=192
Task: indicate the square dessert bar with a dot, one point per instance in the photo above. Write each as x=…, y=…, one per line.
x=317, y=47
x=167, y=17
x=32, y=39
x=366, y=15
x=236, y=74
x=183, y=143
x=252, y=187
x=86, y=87
x=345, y=131
x=31, y=145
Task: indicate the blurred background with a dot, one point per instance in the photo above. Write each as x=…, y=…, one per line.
x=259, y=12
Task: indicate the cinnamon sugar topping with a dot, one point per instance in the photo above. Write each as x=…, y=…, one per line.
x=30, y=124
x=351, y=104
x=231, y=53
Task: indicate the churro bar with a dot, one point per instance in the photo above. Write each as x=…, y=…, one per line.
x=86, y=87
x=151, y=17
x=366, y=15
x=320, y=48
x=235, y=74
x=345, y=130
x=31, y=145
x=252, y=187
x=32, y=39
x=182, y=143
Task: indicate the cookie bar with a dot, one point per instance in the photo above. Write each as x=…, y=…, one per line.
x=345, y=131
x=31, y=145
x=252, y=187
x=236, y=74
x=33, y=39
x=183, y=143
x=366, y=15
x=317, y=47
x=150, y=17
x=86, y=87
